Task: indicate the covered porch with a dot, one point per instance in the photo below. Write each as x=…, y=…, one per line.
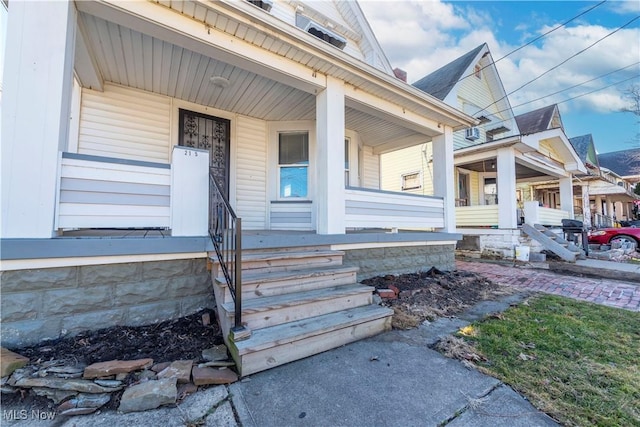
x=123, y=160
x=501, y=183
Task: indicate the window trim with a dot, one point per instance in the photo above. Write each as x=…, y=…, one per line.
x=405, y=175
x=273, y=175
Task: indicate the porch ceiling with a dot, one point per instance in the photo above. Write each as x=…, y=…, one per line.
x=489, y=165
x=131, y=58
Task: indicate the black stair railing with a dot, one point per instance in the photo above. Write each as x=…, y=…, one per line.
x=225, y=229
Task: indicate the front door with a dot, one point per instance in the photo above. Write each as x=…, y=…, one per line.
x=208, y=133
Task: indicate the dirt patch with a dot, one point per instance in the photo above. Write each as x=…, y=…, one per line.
x=178, y=339
x=432, y=294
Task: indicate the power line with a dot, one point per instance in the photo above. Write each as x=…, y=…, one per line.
x=561, y=63
x=572, y=98
x=567, y=88
x=536, y=39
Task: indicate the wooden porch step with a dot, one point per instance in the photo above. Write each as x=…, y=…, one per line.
x=256, y=284
x=277, y=345
x=266, y=312
x=284, y=261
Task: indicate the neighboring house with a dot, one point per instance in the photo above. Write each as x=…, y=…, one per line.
x=114, y=113
x=497, y=162
x=621, y=169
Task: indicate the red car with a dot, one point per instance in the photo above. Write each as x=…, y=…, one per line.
x=608, y=235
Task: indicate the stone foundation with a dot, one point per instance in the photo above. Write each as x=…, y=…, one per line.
x=398, y=260
x=54, y=302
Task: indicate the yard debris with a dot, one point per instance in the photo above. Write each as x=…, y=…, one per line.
x=428, y=295
x=526, y=357
x=457, y=348
x=50, y=378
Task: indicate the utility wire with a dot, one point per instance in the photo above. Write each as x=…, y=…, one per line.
x=565, y=89
x=561, y=63
x=572, y=98
x=528, y=43
x=536, y=39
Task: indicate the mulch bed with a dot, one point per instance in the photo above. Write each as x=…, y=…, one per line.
x=178, y=339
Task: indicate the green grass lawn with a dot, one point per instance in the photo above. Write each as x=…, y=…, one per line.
x=576, y=361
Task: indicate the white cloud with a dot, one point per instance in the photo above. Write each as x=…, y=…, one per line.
x=421, y=36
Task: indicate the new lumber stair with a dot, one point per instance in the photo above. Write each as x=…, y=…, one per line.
x=551, y=241
x=296, y=303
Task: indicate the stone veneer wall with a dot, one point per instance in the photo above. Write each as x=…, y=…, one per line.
x=53, y=302
x=399, y=260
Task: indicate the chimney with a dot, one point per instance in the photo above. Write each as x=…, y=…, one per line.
x=401, y=74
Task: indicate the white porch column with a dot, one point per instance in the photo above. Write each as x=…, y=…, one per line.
x=586, y=207
x=443, y=172
x=38, y=78
x=330, y=202
x=566, y=195
x=508, y=213
x=609, y=207
x=599, y=205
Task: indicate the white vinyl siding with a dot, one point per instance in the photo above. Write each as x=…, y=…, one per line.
x=125, y=123
x=370, y=169
x=408, y=160
x=251, y=173
x=95, y=193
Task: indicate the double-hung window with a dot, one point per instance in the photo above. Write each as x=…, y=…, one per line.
x=293, y=164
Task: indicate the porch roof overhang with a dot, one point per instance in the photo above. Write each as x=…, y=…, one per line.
x=530, y=164
x=267, y=61
x=569, y=157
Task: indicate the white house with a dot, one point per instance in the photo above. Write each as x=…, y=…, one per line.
x=113, y=115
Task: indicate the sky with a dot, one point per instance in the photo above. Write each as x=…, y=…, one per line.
x=420, y=36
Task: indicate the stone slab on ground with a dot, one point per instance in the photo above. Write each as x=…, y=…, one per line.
x=113, y=367
x=10, y=361
x=206, y=375
x=149, y=395
x=503, y=407
x=180, y=369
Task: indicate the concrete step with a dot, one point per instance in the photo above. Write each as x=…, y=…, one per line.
x=256, y=284
x=270, y=311
x=277, y=345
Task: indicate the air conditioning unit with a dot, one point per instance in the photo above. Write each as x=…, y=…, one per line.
x=472, y=134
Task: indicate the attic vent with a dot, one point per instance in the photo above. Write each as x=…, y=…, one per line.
x=320, y=31
x=263, y=4
x=483, y=119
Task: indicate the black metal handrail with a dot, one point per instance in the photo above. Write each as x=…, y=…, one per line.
x=225, y=229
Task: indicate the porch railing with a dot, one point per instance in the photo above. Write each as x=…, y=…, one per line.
x=225, y=229
x=477, y=216
x=602, y=221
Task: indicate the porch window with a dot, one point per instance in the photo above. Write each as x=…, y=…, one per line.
x=293, y=164
x=490, y=191
x=411, y=181
x=463, y=189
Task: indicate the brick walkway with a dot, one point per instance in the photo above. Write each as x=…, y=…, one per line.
x=612, y=293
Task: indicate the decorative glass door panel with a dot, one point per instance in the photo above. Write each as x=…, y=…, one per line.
x=208, y=133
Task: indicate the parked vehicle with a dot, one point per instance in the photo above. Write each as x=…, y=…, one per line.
x=634, y=223
x=607, y=235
